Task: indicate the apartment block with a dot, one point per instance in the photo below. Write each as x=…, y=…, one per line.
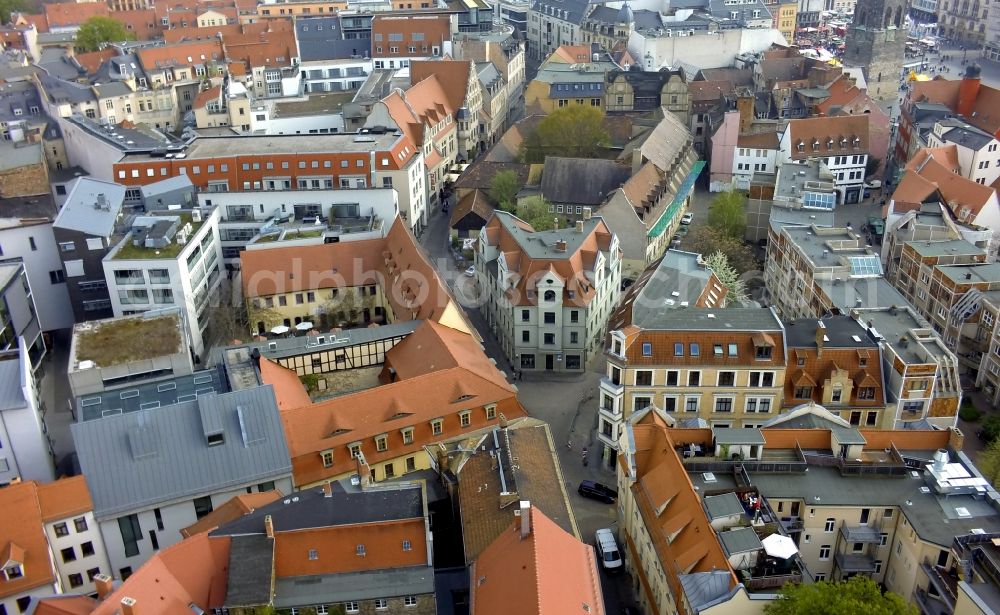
x=921, y=372
x=25, y=450
x=812, y=270
x=160, y=455
x=73, y=533
x=19, y=326
x=841, y=142
x=550, y=293
x=976, y=150
x=853, y=501
x=696, y=365
x=834, y=363
x=168, y=258
x=377, y=158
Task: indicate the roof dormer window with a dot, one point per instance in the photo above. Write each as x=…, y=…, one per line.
x=815, y=145
x=801, y=146
x=857, y=142
x=13, y=572
x=829, y=143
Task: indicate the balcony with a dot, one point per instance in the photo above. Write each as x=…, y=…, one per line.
x=771, y=581
x=610, y=413
x=944, y=584
x=929, y=604
x=860, y=533
x=611, y=387
x=855, y=562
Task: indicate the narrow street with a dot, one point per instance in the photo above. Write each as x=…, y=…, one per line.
x=567, y=402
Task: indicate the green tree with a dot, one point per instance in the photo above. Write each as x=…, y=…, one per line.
x=503, y=190
x=718, y=262
x=11, y=6
x=535, y=211
x=991, y=428
x=707, y=240
x=858, y=596
x=728, y=213
x=988, y=462
x=576, y=131
x=96, y=31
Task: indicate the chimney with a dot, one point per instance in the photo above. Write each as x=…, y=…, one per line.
x=327, y=490
x=579, y=226
x=820, y=337
x=129, y=606
x=560, y=246
x=104, y=585
x=269, y=526
x=893, y=310
x=364, y=471
x=968, y=90
x=525, y=519
x=744, y=105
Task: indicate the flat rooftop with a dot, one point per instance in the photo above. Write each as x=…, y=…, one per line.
x=840, y=332
x=793, y=178
x=677, y=281
x=710, y=319
x=126, y=250
x=222, y=146
x=796, y=216
x=972, y=274
x=123, y=340
x=894, y=326
x=313, y=104
x=150, y=395
x=952, y=247
x=827, y=247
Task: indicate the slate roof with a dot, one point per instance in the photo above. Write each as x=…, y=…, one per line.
x=572, y=11
x=725, y=505
x=79, y=213
x=137, y=460
x=581, y=181
x=740, y=541
x=59, y=90
x=251, y=562
x=322, y=38
x=966, y=136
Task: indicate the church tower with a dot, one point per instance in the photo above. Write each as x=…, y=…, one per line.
x=875, y=42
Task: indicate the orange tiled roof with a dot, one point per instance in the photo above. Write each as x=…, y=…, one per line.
x=73, y=13
x=435, y=30
x=93, y=60
x=571, y=269
x=181, y=54
x=412, y=401
x=841, y=129
x=22, y=539
x=552, y=571
x=231, y=510
x=571, y=54
x=452, y=75
x=66, y=497
x=193, y=571
x=336, y=548
x=203, y=98
x=66, y=605
x=288, y=389
x=141, y=22
x=947, y=155
x=921, y=181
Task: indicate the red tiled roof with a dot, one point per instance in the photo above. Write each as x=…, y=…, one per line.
x=927, y=176
x=73, y=13
x=207, y=96
x=66, y=605
x=22, y=539
x=231, y=510
x=181, y=54
x=452, y=75
x=816, y=134
x=549, y=571
x=63, y=498
x=288, y=389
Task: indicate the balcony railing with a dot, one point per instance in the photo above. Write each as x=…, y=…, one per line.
x=945, y=584
x=855, y=562
x=772, y=582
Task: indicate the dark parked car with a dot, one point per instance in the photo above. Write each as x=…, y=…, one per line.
x=597, y=491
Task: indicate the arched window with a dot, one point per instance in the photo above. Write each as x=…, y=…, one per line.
x=550, y=295
x=888, y=17
x=899, y=17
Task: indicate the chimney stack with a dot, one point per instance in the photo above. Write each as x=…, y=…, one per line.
x=525, y=519
x=364, y=471
x=820, y=337
x=579, y=226
x=269, y=527
x=104, y=585
x=560, y=246
x=327, y=490
x=129, y=606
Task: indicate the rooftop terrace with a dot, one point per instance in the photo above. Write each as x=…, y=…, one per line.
x=119, y=341
x=127, y=250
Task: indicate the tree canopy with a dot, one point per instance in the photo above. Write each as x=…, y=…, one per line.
x=10, y=6
x=576, y=131
x=503, y=190
x=718, y=262
x=96, y=31
x=707, y=240
x=535, y=211
x=728, y=214
x=988, y=462
x=858, y=596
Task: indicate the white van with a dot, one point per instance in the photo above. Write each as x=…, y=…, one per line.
x=607, y=550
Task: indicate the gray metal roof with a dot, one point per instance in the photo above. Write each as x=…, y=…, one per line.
x=142, y=459
x=677, y=278
x=150, y=395
x=322, y=38
x=741, y=540
x=725, y=505
x=862, y=293
x=581, y=181
x=16, y=100
x=60, y=90
x=114, y=88
x=180, y=182
x=707, y=319
x=251, y=560
x=11, y=394
x=347, y=505
x=368, y=585
x=732, y=435
x=542, y=244
x=839, y=331
x=848, y=435
x=966, y=135
x=80, y=212
x=572, y=11
x=949, y=247
x=701, y=589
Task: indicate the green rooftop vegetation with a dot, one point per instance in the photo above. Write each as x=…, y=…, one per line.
x=128, y=251
x=115, y=342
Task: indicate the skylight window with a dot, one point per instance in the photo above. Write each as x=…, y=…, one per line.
x=866, y=267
